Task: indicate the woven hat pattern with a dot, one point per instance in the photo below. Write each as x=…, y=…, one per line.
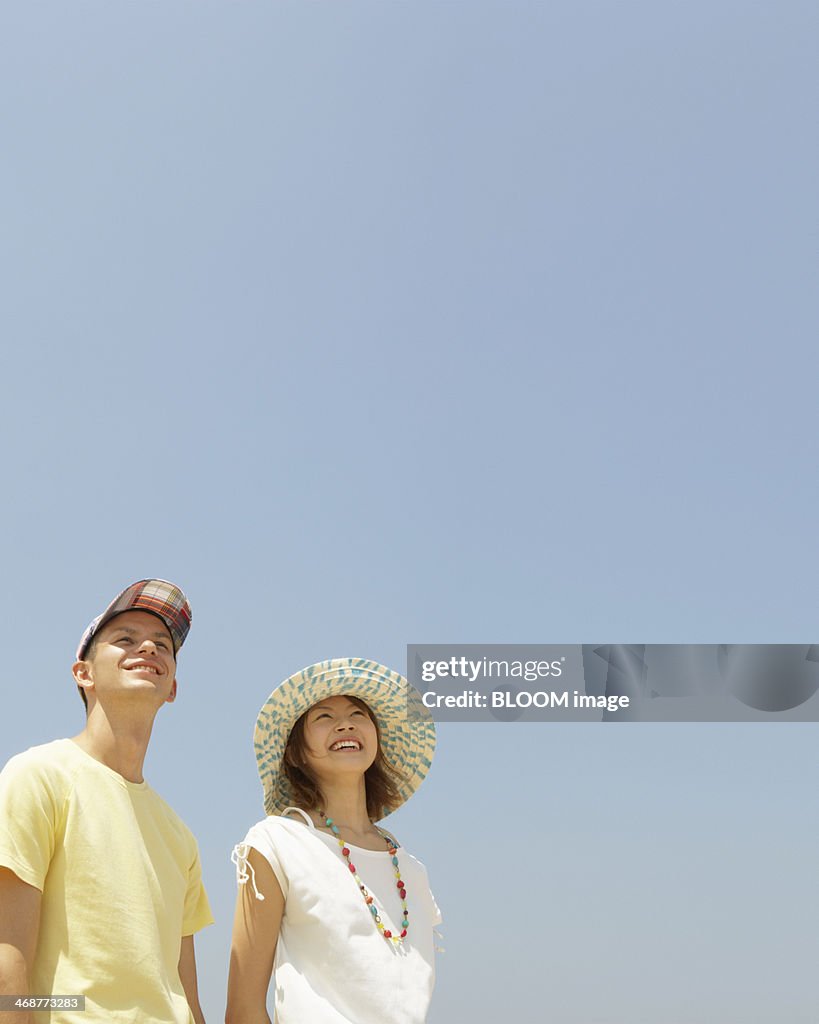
x=406, y=726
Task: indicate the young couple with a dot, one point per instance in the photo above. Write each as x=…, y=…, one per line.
x=100, y=881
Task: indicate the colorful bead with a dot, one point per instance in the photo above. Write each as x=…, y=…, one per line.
x=368, y=900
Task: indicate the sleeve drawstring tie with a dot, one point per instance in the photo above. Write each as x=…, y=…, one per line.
x=244, y=869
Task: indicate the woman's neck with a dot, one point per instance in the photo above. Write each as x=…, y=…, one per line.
x=347, y=806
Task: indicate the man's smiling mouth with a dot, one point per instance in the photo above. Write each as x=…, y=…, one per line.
x=142, y=668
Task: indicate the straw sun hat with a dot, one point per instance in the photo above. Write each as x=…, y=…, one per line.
x=406, y=726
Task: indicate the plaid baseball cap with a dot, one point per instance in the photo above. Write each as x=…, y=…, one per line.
x=160, y=597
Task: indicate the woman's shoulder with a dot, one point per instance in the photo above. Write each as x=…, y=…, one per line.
x=410, y=864
x=278, y=824
x=405, y=855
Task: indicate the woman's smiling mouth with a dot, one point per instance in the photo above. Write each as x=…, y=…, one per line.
x=346, y=745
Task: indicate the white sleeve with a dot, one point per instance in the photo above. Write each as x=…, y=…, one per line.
x=262, y=839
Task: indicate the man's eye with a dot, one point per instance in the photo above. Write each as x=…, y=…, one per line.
x=163, y=645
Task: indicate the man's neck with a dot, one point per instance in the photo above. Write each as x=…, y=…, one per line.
x=118, y=741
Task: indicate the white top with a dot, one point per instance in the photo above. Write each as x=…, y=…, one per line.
x=332, y=964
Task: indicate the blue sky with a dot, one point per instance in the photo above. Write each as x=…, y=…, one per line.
x=375, y=324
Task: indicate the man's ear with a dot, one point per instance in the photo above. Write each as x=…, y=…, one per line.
x=81, y=670
x=172, y=695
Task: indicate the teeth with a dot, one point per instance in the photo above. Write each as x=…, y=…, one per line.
x=346, y=745
x=142, y=668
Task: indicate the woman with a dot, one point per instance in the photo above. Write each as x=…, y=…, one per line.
x=341, y=911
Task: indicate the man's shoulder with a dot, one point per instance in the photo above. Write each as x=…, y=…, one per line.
x=36, y=784
x=48, y=760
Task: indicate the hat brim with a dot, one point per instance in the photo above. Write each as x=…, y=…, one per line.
x=406, y=726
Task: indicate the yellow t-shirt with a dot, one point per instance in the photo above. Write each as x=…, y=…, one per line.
x=121, y=882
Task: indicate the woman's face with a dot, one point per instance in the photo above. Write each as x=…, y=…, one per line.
x=339, y=737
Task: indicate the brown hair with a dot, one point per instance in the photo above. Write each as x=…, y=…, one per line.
x=381, y=779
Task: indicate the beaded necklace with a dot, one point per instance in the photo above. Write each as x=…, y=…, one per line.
x=402, y=889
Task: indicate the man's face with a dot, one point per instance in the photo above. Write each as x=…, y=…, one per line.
x=133, y=660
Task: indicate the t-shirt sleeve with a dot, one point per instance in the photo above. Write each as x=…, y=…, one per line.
x=262, y=837
x=197, y=913
x=436, y=911
x=31, y=808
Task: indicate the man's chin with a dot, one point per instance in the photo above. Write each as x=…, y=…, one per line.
x=143, y=691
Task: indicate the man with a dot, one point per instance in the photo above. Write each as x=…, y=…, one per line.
x=100, y=881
